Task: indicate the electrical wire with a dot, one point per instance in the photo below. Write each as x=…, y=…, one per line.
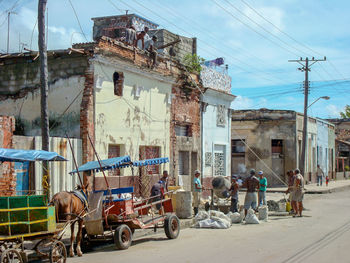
x=251, y=28
x=205, y=43
x=280, y=30
x=76, y=16
x=263, y=28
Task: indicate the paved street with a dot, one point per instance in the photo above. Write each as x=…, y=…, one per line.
x=322, y=235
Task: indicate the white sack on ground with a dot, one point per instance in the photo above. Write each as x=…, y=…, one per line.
x=236, y=217
x=213, y=219
x=263, y=213
x=202, y=215
x=213, y=223
x=251, y=218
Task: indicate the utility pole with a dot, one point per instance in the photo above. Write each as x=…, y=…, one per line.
x=8, y=30
x=44, y=92
x=305, y=68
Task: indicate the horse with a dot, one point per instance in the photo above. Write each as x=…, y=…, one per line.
x=68, y=206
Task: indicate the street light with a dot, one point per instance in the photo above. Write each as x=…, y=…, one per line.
x=323, y=97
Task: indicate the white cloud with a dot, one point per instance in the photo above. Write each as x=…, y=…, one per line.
x=333, y=110
x=241, y=103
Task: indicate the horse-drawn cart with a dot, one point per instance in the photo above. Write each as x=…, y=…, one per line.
x=116, y=213
x=29, y=217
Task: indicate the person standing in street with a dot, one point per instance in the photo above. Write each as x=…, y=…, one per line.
x=252, y=184
x=262, y=188
x=320, y=175
x=298, y=193
x=234, y=194
x=197, y=191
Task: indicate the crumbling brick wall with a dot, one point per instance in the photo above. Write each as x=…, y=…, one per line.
x=185, y=110
x=7, y=171
x=87, y=127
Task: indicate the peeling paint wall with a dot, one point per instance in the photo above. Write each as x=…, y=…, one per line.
x=140, y=117
x=258, y=135
x=258, y=129
x=20, y=94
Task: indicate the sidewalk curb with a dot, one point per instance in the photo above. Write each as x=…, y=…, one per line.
x=321, y=191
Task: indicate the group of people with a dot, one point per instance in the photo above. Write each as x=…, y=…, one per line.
x=256, y=191
x=255, y=195
x=142, y=40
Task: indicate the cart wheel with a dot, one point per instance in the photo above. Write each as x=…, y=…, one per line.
x=11, y=256
x=58, y=252
x=172, y=226
x=122, y=237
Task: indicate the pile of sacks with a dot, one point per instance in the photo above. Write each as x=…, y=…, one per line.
x=218, y=220
x=212, y=219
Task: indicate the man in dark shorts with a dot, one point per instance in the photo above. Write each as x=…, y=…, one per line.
x=234, y=194
x=252, y=184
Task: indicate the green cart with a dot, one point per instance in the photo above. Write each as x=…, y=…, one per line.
x=29, y=218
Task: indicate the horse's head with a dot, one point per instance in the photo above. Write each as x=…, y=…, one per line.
x=83, y=188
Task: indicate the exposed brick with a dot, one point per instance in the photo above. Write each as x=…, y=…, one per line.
x=7, y=172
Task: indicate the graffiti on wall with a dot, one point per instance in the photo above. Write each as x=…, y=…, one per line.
x=215, y=80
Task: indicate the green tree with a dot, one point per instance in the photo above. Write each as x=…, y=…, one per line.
x=346, y=113
x=193, y=63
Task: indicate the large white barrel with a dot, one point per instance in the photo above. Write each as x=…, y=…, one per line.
x=184, y=204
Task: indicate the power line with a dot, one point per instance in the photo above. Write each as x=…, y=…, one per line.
x=207, y=32
x=176, y=26
x=251, y=28
x=214, y=36
x=280, y=30
x=263, y=28
x=76, y=16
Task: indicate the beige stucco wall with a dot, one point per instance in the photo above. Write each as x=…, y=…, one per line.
x=258, y=135
x=131, y=121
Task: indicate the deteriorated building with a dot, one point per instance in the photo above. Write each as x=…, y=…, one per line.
x=110, y=92
x=273, y=138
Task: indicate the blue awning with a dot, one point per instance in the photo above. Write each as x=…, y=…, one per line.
x=12, y=155
x=107, y=164
x=151, y=161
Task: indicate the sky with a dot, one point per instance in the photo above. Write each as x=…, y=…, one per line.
x=256, y=38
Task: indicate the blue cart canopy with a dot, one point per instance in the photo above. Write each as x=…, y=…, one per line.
x=107, y=164
x=12, y=155
x=151, y=161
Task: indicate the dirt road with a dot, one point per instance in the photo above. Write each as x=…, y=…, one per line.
x=322, y=235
